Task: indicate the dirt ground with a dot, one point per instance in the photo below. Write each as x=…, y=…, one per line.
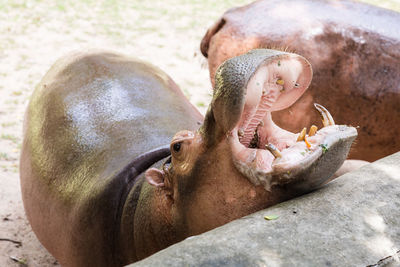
x=34, y=33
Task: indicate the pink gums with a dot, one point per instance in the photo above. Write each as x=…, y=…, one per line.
x=273, y=86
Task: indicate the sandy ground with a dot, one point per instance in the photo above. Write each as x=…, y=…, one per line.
x=33, y=34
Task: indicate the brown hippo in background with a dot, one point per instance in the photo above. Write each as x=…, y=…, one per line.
x=354, y=49
x=98, y=121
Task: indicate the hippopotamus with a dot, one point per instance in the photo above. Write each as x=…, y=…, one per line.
x=354, y=49
x=116, y=163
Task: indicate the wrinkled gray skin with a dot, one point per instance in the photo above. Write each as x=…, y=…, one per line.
x=87, y=129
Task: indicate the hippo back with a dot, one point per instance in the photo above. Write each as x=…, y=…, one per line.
x=90, y=117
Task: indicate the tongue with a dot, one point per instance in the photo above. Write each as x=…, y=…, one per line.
x=259, y=159
x=271, y=133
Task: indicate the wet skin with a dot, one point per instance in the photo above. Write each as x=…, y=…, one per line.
x=93, y=119
x=88, y=121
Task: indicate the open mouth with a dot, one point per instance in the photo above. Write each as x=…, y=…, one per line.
x=267, y=154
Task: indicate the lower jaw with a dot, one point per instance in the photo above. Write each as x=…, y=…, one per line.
x=260, y=167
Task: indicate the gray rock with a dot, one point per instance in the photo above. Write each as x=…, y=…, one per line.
x=352, y=221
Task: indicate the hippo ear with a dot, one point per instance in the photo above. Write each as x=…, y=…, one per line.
x=155, y=177
x=205, y=42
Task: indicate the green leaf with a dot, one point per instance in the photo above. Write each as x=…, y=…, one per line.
x=324, y=148
x=21, y=261
x=271, y=217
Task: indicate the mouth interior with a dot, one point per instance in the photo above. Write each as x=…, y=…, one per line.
x=259, y=145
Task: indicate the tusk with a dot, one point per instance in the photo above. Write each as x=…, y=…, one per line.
x=313, y=130
x=326, y=116
x=274, y=151
x=302, y=135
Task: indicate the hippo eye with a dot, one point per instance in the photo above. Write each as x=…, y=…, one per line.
x=177, y=147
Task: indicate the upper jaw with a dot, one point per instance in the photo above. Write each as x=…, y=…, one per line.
x=240, y=84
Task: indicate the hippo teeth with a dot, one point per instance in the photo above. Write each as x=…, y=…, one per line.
x=313, y=130
x=262, y=151
x=272, y=149
x=259, y=146
x=251, y=138
x=302, y=135
x=326, y=116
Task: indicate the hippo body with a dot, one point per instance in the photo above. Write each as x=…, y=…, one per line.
x=88, y=120
x=354, y=49
x=98, y=121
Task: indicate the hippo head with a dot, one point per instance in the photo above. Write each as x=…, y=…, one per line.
x=240, y=161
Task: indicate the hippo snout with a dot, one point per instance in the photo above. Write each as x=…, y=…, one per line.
x=248, y=89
